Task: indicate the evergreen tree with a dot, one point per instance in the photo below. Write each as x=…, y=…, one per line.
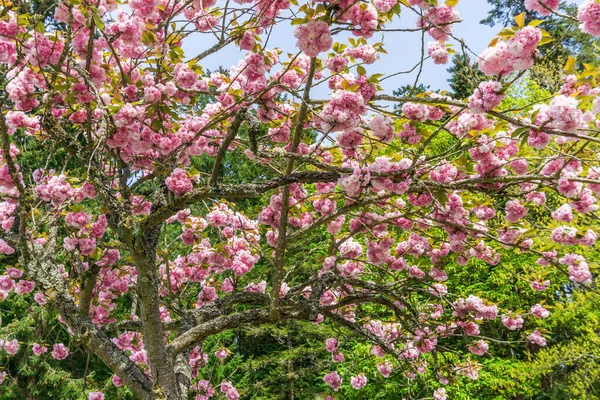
x=464, y=76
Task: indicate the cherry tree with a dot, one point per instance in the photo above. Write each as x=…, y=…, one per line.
x=103, y=116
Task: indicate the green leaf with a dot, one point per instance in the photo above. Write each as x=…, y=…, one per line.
x=23, y=19
x=570, y=66
x=375, y=78
x=507, y=32
x=148, y=38
x=40, y=27
x=535, y=22
x=589, y=67
x=442, y=197
x=517, y=132
x=299, y=21
x=98, y=21
x=534, y=115
x=520, y=20
x=156, y=125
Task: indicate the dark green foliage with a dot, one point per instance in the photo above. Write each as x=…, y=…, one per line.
x=504, y=11
x=44, y=377
x=280, y=362
x=464, y=76
x=411, y=90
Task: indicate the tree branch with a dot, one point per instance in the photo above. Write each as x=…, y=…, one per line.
x=216, y=325
x=231, y=134
x=234, y=192
x=279, y=265
x=49, y=279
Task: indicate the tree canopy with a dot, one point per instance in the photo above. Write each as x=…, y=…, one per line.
x=168, y=232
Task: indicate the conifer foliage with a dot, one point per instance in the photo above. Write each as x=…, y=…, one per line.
x=150, y=206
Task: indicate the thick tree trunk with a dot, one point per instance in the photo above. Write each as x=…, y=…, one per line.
x=41, y=267
x=161, y=362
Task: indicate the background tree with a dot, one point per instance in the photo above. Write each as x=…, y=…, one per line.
x=464, y=76
x=173, y=233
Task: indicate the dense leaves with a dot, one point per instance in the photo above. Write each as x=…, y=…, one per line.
x=167, y=232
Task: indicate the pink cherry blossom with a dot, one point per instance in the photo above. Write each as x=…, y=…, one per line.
x=512, y=323
x=515, y=210
x=365, y=53
x=11, y=346
x=385, y=5
x=343, y=111
x=438, y=52
x=397, y=187
x=536, y=338
x=439, y=19
x=486, y=97
x=382, y=127
x=96, y=396
x=184, y=76
x=419, y=3
x=359, y=381
x=39, y=349
x=256, y=287
x=6, y=284
x=221, y=353
x=178, y=182
x=116, y=381
x=60, y=351
x=248, y=40
x=385, y=369
x=539, y=311
x=313, y=37
x=5, y=248
x=588, y=15
x=515, y=54
x=23, y=287
x=563, y=214
x=331, y=344
x=443, y=173
x=479, y=347
x=333, y=380
x=229, y=391
x=440, y=394
x=336, y=63
x=542, y=7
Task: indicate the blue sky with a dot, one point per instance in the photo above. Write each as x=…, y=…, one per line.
x=403, y=48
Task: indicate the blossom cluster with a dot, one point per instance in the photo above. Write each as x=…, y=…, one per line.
x=398, y=192
x=514, y=54
x=542, y=7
